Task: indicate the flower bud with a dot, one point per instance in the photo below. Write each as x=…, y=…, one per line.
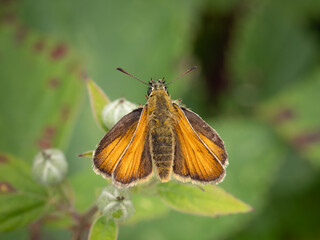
x=115, y=110
x=49, y=167
x=115, y=203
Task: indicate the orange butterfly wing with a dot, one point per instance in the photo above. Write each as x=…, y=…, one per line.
x=111, y=157
x=194, y=158
x=208, y=135
x=135, y=164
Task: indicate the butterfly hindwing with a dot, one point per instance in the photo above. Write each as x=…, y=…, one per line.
x=194, y=160
x=115, y=142
x=180, y=168
x=208, y=135
x=135, y=163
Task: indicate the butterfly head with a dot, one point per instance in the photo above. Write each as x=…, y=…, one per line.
x=155, y=85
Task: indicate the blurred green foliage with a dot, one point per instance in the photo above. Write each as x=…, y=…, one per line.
x=41, y=89
x=102, y=229
x=23, y=200
x=257, y=85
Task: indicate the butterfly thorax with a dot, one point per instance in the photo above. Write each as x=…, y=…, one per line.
x=161, y=138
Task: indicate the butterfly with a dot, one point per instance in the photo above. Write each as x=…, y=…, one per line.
x=164, y=138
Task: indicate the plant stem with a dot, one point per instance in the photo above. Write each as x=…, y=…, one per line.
x=66, y=196
x=82, y=222
x=35, y=230
x=81, y=229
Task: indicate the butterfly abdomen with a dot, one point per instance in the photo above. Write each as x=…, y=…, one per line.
x=162, y=151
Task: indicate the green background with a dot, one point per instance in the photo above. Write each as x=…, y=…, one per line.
x=257, y=84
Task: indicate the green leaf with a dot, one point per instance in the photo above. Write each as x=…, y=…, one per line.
x=40, y=89
x=22, y=200
x=146, y=208
x=102, y=229
x=294, y=115
x=88, y=154
x=98, y=100
x=213, y=201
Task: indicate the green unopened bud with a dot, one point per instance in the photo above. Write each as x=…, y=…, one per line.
x=49, y=167
x=115, y=110
x=115, y=203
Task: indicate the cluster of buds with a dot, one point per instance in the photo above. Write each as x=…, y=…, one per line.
x=115, y=110
x=115, y=203
x=49, y=167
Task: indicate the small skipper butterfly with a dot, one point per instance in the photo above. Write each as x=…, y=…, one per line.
x=162, y=137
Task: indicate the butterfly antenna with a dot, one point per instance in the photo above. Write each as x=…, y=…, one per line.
x=186, y=72
x=125, y=72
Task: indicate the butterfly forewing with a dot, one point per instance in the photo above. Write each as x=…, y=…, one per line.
x=193, y=158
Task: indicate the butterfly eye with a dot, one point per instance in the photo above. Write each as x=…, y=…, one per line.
x=149, y=91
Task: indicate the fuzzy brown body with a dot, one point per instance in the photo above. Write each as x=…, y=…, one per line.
x=161, y=133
